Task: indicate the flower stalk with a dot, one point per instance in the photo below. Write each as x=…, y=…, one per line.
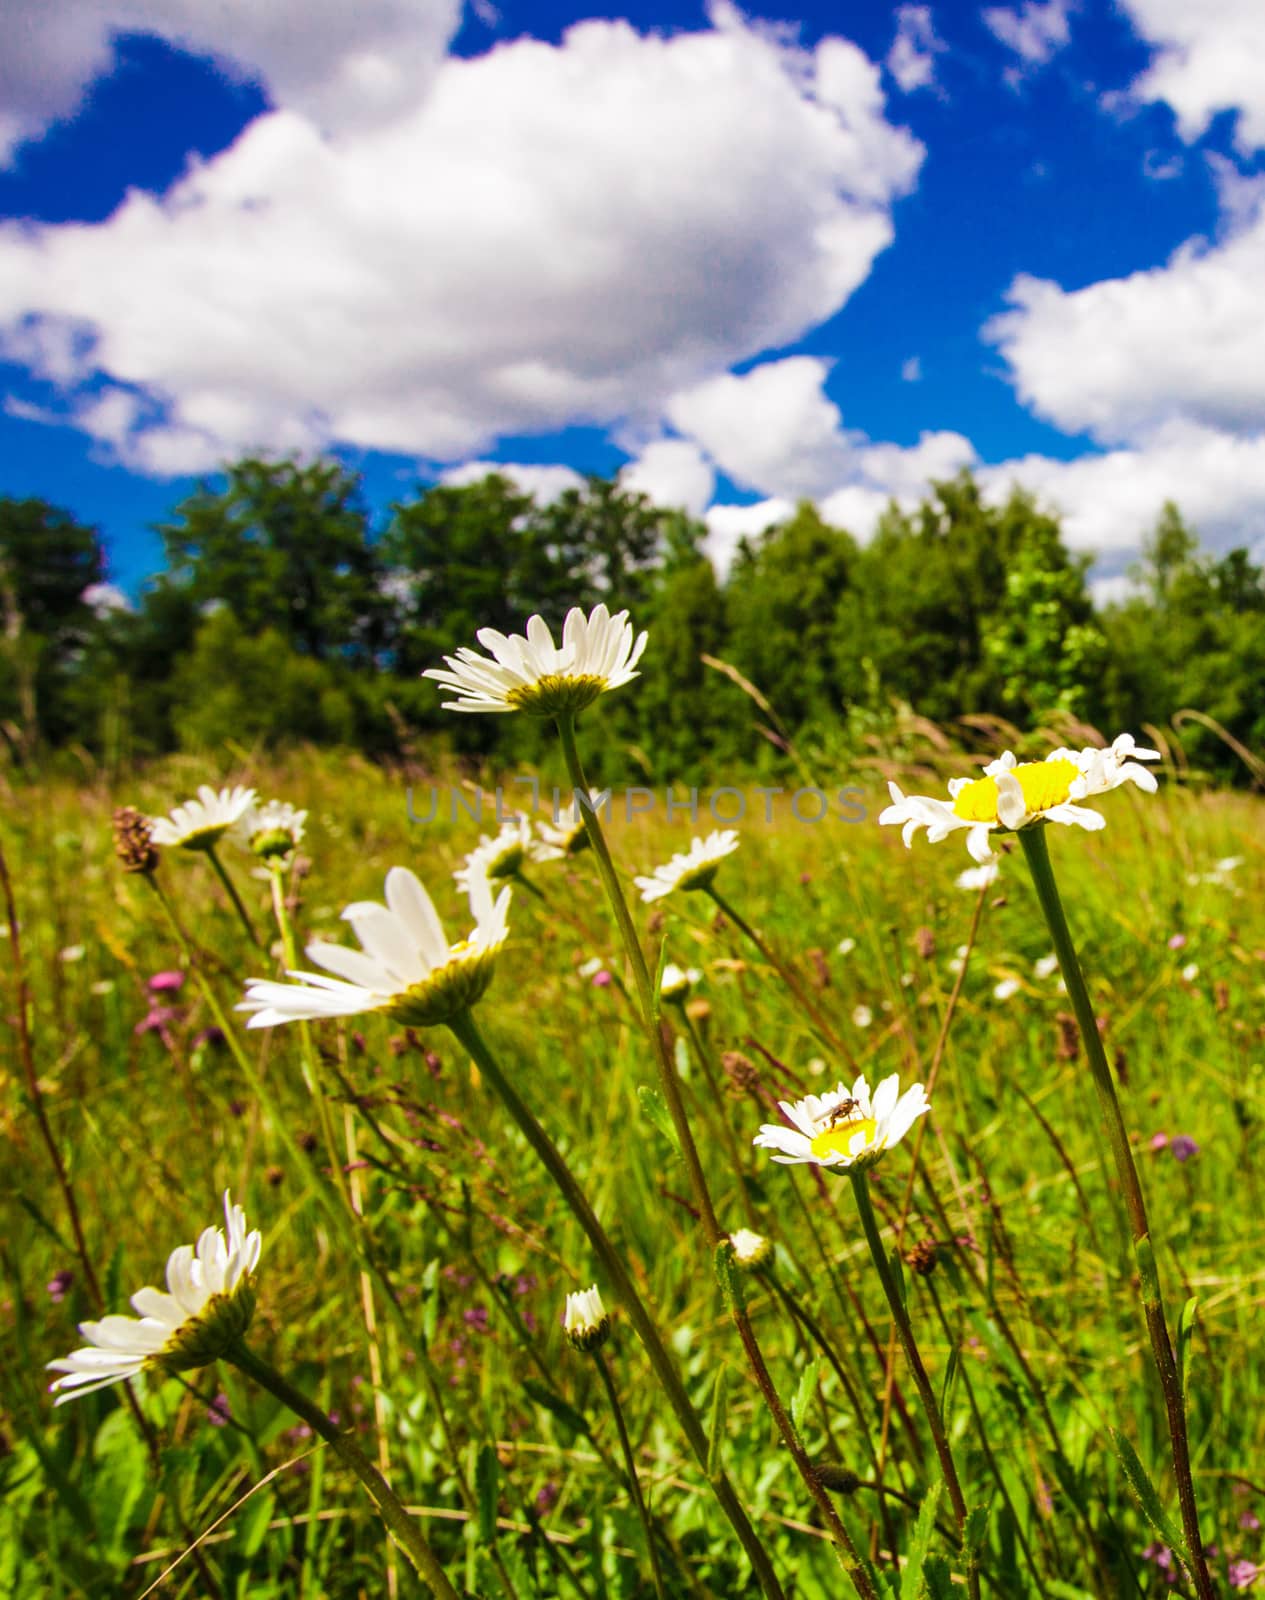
x=1037, y=854
x=230, y=889
x=904, y=1329
x=616, y=1274
x=401, y=1526
x=630, y=1467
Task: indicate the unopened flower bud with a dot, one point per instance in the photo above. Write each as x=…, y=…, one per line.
x=587, y=1321
x=751, y=1250
x=921, y=1257
x=842, y=1480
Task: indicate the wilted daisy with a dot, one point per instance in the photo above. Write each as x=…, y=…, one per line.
x=586, y=1320
x=846, y=1127
x=676, y=982
x=1013, y=794
x=978, y=877
x=691, y=869
x=530, y=673
x=497, y=858
x=567, y=834
x=200, y=824
x=271, y=830
x=750, y=1249
x=406, y=968
x=208, y=1305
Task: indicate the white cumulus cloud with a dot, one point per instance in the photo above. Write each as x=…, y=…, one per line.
x=1034, y=32
x=1208, y=59
x=342, y=65
x=1124, y=356
x=912, y=57
x=673, y=473
x=544, y=482
x=1109, y=502
x=555, y=234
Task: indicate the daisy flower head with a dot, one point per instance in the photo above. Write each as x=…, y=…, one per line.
x=845, y=1127
x=208, y=1305
x=568, y=834
x=530, y=673
x=1014, y=794
x=587, y=1320
x=200, y=824
x=271, y=830
x=405, y=967
x=751, y=1249
x=690, y=869
x=676, y=982
x=497, y=858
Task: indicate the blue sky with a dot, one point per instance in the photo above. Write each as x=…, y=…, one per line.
x=740, y=256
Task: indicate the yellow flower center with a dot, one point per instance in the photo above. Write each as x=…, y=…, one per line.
x=836, y=1138
x=1044, y=784
x=556, y=693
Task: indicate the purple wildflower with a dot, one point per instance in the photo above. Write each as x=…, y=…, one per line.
x=166, y=982
x=59, y=1285
x=1183, y=1147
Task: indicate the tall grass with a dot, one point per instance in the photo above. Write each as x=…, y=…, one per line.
x=447, y=1358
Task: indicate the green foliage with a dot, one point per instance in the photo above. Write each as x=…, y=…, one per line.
x=957, y=608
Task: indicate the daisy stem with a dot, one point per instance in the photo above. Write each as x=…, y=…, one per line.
x=230, y=888
x=810, y=1010
x=630, y=1466
x=617, y=1275
x=1037, y=854
x=904, y=1328
x=401, y=1526
x=669, y=1083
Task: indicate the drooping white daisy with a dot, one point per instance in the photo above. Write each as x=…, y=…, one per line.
x=586, y=1320
x=567, y=834
x=209, y=1303
x=497, y=858
x=846, y=1127
x=530, y=673
x=1006, y=989
x=199, y=824
x=690, y=869
x=750, y=1249
x=978, y=877
x=676, y=982
x=406, y=968
x=1045, y=966
x=1014, y=794
x=272, y=829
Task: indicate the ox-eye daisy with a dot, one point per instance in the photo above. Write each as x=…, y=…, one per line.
x=500, y=857
x=271, y=830
x=207, y=1307
x=846, y=1127
x=406, y=967
x=691, y=869
x=587, y=1320
x=530, y=673
x=568, y=833
x=1013, y=794
x=200, y=824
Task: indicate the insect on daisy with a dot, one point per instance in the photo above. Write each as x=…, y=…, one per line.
x=845, y=1127
x=1014, y=794
x=405, y=968
x=208, y=1306
x=530, y=673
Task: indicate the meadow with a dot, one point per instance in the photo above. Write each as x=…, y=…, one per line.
x=416, y=1294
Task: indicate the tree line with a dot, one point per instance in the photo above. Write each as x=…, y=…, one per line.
x=285, y=612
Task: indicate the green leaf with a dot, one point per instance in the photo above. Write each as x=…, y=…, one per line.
x=430, y=1302
x=486, y=1477
x=1146, y=1493
x=912, y=1581
x=557, y=1407
x=720, y=1414
x=1148, y=1272
x=939, y=1579
x=252, y=1525
x=804, y=1392
x=1185, y=1337
x=654, y=1109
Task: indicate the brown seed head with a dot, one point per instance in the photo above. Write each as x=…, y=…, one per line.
x=133, y=843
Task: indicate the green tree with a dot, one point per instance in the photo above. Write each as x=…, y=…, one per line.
x=286, y=547
x=48, y=563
